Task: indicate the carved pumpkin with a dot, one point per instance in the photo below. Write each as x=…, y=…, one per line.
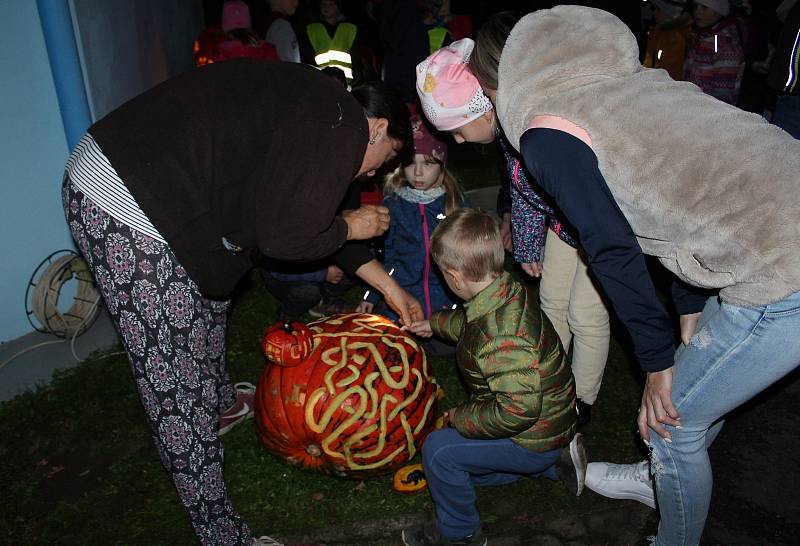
x=362, y=401
x=206, y=45
x=287, y=344
x=410, y=479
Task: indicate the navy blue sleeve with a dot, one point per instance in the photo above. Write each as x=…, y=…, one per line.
x=567, y=169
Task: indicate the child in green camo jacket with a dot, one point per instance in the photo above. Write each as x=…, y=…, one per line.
x=520, y=418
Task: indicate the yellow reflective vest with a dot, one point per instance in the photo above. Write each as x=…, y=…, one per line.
x=436, y=37
x=333, y=51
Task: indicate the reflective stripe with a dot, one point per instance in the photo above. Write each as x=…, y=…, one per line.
x=793, y=61
x=333, y=55
x=348, y=72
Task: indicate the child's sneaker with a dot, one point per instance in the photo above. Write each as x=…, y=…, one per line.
x=571, y=465
x=241, y=410
x=427, y=534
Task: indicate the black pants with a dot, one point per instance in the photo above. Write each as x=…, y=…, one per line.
x=297, y=297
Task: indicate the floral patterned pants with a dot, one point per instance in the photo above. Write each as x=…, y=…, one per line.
x=175, y=340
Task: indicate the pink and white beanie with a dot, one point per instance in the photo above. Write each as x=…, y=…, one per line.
x=450, y=95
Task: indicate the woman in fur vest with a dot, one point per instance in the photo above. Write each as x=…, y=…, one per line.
x=641, y=164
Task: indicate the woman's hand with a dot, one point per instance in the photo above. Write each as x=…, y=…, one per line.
x=657, y=409
x=403, y=303
x=366, y=222
x=505, y=232
x=365, y=307
x=334, y=274
x=688, y=324
x=533, y=269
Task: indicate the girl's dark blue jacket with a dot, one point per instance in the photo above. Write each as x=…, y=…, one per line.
x=407, y=251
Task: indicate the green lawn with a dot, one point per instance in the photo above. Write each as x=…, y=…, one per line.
x=77, y=465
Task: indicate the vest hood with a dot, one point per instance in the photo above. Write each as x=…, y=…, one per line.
x=532, y=63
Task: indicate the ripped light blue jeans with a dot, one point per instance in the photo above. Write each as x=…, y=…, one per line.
x=735, y=353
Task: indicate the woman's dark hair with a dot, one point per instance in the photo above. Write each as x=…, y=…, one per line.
x=489, y=44
x=383, y=101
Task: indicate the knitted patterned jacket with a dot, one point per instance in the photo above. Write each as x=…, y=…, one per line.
x=531, y=214
x=520, y=383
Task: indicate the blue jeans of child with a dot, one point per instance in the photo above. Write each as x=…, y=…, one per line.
x=454, y=465
x=735, y=353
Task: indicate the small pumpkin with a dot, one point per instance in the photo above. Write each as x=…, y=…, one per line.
x=287, y=344
x=410, y=479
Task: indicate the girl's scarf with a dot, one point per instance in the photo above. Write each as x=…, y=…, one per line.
x=413, y=195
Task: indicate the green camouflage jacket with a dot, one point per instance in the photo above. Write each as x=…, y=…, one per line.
x=521, y=386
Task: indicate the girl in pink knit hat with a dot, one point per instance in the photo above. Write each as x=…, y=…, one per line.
x=452, y=98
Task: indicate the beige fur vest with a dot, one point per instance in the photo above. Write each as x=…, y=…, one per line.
x=712, y=191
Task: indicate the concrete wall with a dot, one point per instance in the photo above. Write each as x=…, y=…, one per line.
x=126, y=47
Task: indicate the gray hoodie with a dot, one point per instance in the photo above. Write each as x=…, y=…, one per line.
x=711, y=190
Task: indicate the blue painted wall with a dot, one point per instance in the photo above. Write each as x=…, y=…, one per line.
x=126, y=47
x=32, y=157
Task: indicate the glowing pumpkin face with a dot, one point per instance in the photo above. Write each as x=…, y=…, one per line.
x=361, y=402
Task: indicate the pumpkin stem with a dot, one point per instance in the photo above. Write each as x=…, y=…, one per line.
x=314, y=450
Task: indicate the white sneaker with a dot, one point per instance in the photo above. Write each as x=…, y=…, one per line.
x=571, y=465
x=622, y=481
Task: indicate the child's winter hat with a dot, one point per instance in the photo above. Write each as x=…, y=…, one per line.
x=425, y=142
x=451, y=96
x=672, y=8
x=235, y=14
x=723, y=7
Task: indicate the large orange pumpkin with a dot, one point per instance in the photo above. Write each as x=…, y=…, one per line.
x=361, y=402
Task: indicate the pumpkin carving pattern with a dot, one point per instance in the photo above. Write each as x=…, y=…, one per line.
x=360, y=402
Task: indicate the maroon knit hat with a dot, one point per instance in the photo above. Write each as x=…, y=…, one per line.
x=425, y=142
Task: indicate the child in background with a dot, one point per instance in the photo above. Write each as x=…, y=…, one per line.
x=715, y=61
x=276, y=29
x=520, y=417
x=240, y=38
x=418, y=195
x=543, y=245
x=668, y=38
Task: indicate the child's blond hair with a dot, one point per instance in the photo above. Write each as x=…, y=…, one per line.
x=398, y=179
x=468, y=241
